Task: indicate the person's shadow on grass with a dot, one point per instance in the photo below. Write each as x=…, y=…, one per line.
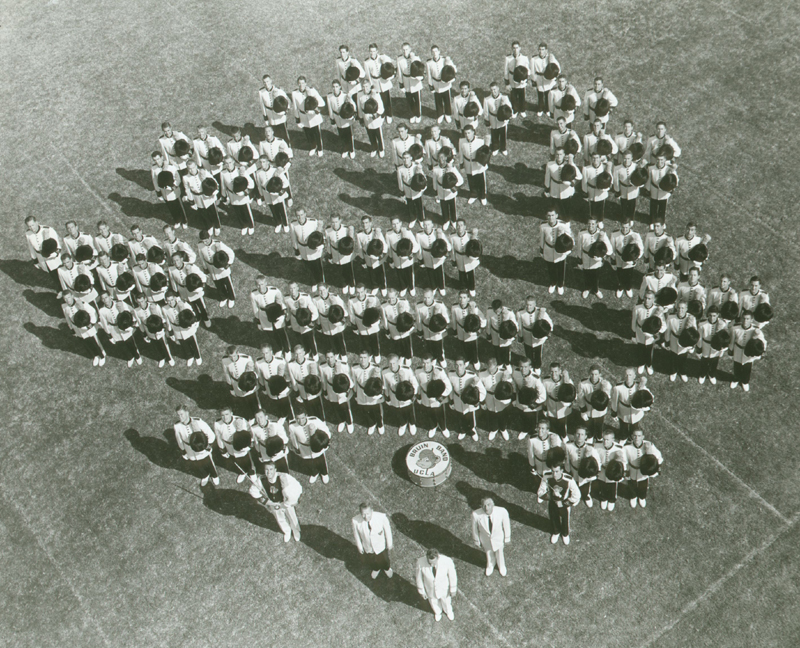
x=492, y=467
x=429, y=534
x=332, y=546
x=141, y=177
x=204, y=391
x=47, y=302
x=59, y=338
x=27, y=274
x=475, y=496
x=239, y=504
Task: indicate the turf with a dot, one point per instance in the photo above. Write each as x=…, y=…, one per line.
x=107, y=540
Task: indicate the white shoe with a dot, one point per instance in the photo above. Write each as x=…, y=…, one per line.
x=490, y=570
x=217, y=231
x=472, y=293
x=734, y=385
x=554, y=538
x=598, y=294
x=504, y=153
x=389, y=572
x=251, y=231
x=207, y=323
x=287, y=536
x=446, y=226
x=619, y=294
x=712, y=380
x=223, y=303
x=384, y=292
x=401, y=430
x=325, y=479
x=634, y=501
x=138, y=360
x=437, y=617
x=474, y=436
x=673, y=377
x=244, y=231
x=320, y=153
x=551, y=289
x=204, y=480
x=199, y=361
x=403, y=292
x=746, y=387
x=344, y=155
x=278, y=229
x=340, y=427
x=413, y=292
x=642, y=502
x=312, y=152
x=442, y=292
x=492, y=435
x=240, y=478
x=601, y=225
x=611, y=506
x=215, y=481
x=285, y=229
x=413, y=224
x=504, y=434
x=585, y=295
x=471, y=200
x=589, y=503
x=95, y=361
x=381, y=430
x=640, y=369
x=446, y=433
x=440, y=119
x=604, y=504
x=352, y=155
x=313, y=479
x=523, y=114
x=561, y=290
x=171, y=362
x=371, y=430
x=522, y=435
x=375, y=574
x=461, y=435
x=413, y=430
x=350, y=428
x=130, y=362
x=381, y=154
x=629, y=292
x=231, y=303
x=649, y=370
x=431, y=433
x=373, y=154
x=539, y=113
x=315, y=288
x=448, y=118
x=565, y=539
x=503, y=572
x=484, y=202
x=102, y=361
x=450, y=615
x=388, y=120
x=684, y=378
x=161, y=363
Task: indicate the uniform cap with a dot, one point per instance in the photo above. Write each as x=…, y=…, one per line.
x=567, y=103
x=541, y=328
x=651, y=325
x=198, y=441
x=642, y=399
x=695, y=308
x=615, y=471
x=215, y=156
x=277, y=385
x=435, y=388
x=319, y=441
x=666, y=296
x=315, y=240
x=165, y=179
x=275, y=185
x=729, y=310
x=526, y=396
x=603, y=180
x=83, y=283
x=449, y=180
x=483, y=155
x=281, y=104
x=335, y=314
x=248, y=381
x=186, y=318
x=373, y=387
x=387, y=70
x=602, y=107
x=471, y=109
x=84, y=253
x=347, y=111
x=507, y=330
x=312, y=384
x=762, y=313
x=418, y=182
x=404, y=247
x=281, y=159
x=156, y=255
x=82, y=319
x=666, y=150
x=49, y=247
x=310, y=104
x=274, y=312
x=754, y=348
x=346, y=245
x=209, y=186
x=246, y=154
x=375, y=248
x=504, y=112
x=598, y=400
x=598, y=249
x=664, y=255
x=551, y=71
x=448, y=73
x=371, y=316
x=303, y=316
x=555, y=457
x=588, y=468
x=637, y=151
x=668, y=182
x=473, y=248
x=416, y=151
x=242, y=439
x=689, y=337
x=566, y=393
x=370, y=106
x=274, y=445
x=158, y=282
x=119, y=252
x=631, y=252
x=504, y=391
x=472, y=323
x=648, y=465
x=471, y=395
x=520, y=73
x=240, y=184
x=154, y=324
x=564, y=243
x=405, y=322
x=568, y=173
x=699, y=253
x=639, y=177
x=438, y=248
x=417, y=69
x=340, y=383
x=352, y=73
x=604, y=147
x=124, y=320
x=124, y=282
x=221, y=259
x=182, y=147
x=437, y=323
x=404, y=391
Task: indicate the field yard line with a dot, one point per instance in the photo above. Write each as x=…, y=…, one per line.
x=97, y=197
x=88, y=617
x=718, y=584
x=753, y=493
x=499, y=635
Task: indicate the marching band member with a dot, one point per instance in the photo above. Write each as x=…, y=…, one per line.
x=530, y=397
x=657, y=141
x=624, y=405
x=303, y=317
x=309, y=437
x=117, y=319
x=594, y=394
x=680, y=326
x=627, y=247
x=400, y=390
x=559, y=387
x=434, y=392
x=446, y=181
x=275, y=106
x=555, y=243
x=463, y=112
x=468, y=393
x=538, y=446
x=270, y=440
x=82, y=320
x=593, y=248
x=306, y=106
x=348, y=70
x=562, y=106
x=196, y=441
x=183, y=326
x=466, y=321
x=373, y=250
x=441, y=71
x=497, y=405
x=435, y=145
x=581, y=452
x=432, y=320
x=274, y=378
x=498, y=112
x=545, y=68
x=368, y=382
x=370, y=112
x=343, y=114
x=399, y=322
x=433, y=254
x=646, y=323
x=657, y=240
x=217, y=259
x=516, y=71
x=661, y=182
x=338, y=389
x=235, y=365
x=365, y=317
x=412, y=71
x=624, y=188
x=563, y=493
x=332, y=320
x=380, y=70
x=712, y=345
x=722, y=294
x=637, y=456
x=560, y=179
x=403, y=249
x=154, y=327
x=188, y=281
x=612, y=462
x=692, y=250
x=747, y=345
x=466, y=250
x=308, y=245
x=471, y=158
x=598, y=102
x=279, y=492
x=500, y=334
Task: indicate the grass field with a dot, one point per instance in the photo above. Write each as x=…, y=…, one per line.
x=106, y=540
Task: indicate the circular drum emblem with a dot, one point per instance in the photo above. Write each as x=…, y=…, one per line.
x=428, y=463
